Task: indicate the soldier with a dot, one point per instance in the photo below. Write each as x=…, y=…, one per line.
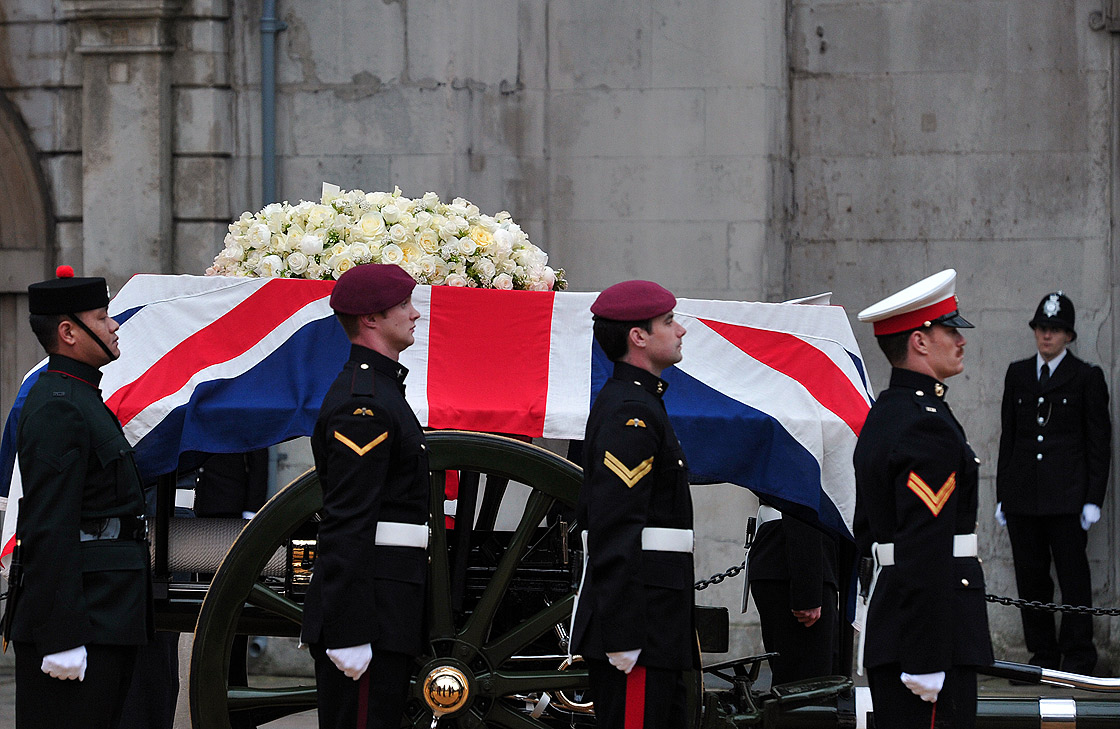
x=364, y=611
x=916, y=494
x=81, y=589
x=633, y=622
x=1054, y=454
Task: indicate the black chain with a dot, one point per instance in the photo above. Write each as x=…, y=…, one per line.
x=1052, y=607
x=716, y=579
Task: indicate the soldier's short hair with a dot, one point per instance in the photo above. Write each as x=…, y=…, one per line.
x=896, y=346
x=613, y=335
x=349, y=323
x=45, y=329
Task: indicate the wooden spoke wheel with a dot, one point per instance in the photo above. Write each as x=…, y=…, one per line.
x=498, y=608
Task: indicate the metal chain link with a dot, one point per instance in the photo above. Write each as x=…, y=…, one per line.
x=716, y=579
x=1051, y=607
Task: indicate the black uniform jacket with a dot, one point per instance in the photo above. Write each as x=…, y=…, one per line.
x=1054, y=450
x=916, y=486
x=77, y=469
x=635, y=476
x=789, y=550
x=373, y=466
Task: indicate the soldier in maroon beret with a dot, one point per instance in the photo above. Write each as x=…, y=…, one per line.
x=633, y=618
x=364, y=613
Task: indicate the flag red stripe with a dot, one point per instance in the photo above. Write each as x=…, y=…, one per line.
x=488, y=359
x=803, y=362
x=231, y=335
x=635, y=698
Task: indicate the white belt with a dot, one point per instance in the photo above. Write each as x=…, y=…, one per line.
x=662, y=539
x=964, y=545
x=765, y=514
x=399, y=534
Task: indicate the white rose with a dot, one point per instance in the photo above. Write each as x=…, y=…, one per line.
x=466, y=246
x=341, y=266
x=398, y=233
x=503, y=243
x=455, y=279
x=235, y=252
x=430, y=200
x=269, y=266
x=392, y=253
x=450, y=249
x=428, y=240
x=311, y=244
x=448, y=231
x=297, y=262
x=315, y=270
x=549, y=278
x=503, y=281
x=423, y=220
x=360, y=252
x=372, y=225
x=320, y=216
x=258, y=236
x=539, y=285
x=391, y=213
x=485, y=269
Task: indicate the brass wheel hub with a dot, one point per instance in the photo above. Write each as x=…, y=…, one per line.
x=446, y=690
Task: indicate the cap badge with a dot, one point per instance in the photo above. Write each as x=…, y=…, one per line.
x=1051, y=306
x=939, y=390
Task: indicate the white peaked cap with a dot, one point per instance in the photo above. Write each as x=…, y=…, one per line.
x=932, y=300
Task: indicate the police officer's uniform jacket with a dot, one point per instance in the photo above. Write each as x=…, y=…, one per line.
x=916, y=487
x=635, y=477
x=373, y=466
x=83, y=550
x=1054, y=448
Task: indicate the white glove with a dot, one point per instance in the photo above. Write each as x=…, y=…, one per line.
x=352, y=661
x=924, y=685
x=624, y=660
x=1000, y=518
x=1090, y=515
x=66, y=665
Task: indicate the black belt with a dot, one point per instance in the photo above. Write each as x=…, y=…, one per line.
x=125, y=528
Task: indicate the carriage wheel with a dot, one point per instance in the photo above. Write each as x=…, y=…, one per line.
x=482, y=660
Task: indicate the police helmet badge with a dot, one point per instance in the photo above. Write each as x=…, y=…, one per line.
x=1052, y=306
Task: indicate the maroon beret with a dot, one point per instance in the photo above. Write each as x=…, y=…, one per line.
x=370, y=288
x=633, y=301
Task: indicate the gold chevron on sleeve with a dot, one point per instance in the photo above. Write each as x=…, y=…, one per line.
x=629, y=476
x=935, y=501
x=360, y=450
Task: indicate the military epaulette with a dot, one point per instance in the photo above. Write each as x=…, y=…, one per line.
x=362, y=381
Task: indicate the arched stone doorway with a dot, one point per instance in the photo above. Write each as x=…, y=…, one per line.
x=26, y=248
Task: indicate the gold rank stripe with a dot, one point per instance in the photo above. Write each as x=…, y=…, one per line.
x=629, y=476
x=935, y=501
x=360, y=450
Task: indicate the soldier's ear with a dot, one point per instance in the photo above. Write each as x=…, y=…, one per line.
x=66, y=331
x=638, y=336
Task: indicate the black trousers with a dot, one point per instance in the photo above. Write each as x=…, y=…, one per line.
x=375, y=701
x=896, y=707
x=645, y=698
x=1034, y=541
x=43, y=702
x=802, y=652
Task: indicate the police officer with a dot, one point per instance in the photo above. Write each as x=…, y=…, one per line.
x=1054, y=454
x=926, y=628
x=633, y=621
x=364, y=611
x=83, y=598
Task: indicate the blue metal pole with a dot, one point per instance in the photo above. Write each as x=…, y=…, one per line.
x=270, y=26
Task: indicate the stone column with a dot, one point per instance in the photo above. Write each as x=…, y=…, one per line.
x=125, y=48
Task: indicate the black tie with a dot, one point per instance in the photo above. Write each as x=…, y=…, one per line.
x=1044, y=375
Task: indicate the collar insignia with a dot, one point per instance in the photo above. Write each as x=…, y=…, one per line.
x=939, y=390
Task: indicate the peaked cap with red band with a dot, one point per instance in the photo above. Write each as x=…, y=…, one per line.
x=371, y=288
x=932, y=300
x=633, y=301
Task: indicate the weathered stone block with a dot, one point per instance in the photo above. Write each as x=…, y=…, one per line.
x=476, y=42
x=1053, y=37
x=747, y=246
x=69, y=237
x=416, y=174
x=716, y=43
x=628, y=122
x=594, y=43
x=201, y=187
x=203, y=121
x=64, y=176
x=702, y=189
x=490, y=122
x=33, y=53
x=196, y=245
x=747, y=121
x=202, y=53
x=842, y=116
x=302, y=178
x=339, y=43
x=205, y=9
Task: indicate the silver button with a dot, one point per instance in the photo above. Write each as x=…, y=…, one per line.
x=1063, y=401
x=1042, y=421
x=423, y=447
x=1040, y=439
x=964, y=582
x=975, y=458
x=919, y=393
x=365, y=366
x=1041, y=400
x=680, y=463
x=1038, y=457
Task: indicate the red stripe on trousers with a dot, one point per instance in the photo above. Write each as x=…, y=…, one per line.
x=363, y=700
x=636, y=698
x=488, y=357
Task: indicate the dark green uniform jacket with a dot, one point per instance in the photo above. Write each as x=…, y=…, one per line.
x=635, y=476
x=78, y=470
x=916, y=487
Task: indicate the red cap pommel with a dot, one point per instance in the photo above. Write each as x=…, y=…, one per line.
x=64, y=272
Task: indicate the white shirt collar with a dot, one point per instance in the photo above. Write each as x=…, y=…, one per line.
x=1039, y=361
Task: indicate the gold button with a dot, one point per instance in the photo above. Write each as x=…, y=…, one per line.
x=964, y=582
